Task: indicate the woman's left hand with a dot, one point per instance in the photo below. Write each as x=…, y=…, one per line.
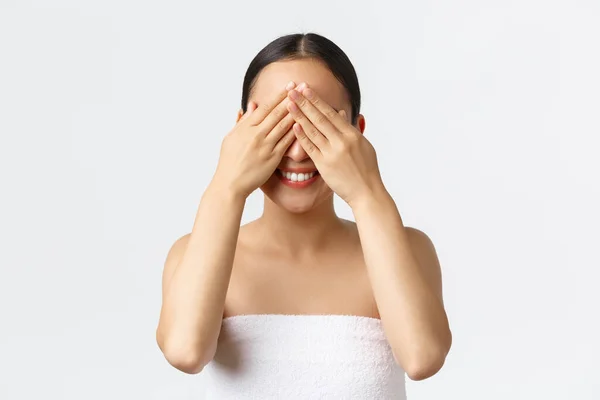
x=345, y=159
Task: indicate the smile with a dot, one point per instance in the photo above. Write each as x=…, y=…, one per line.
x=297, y=179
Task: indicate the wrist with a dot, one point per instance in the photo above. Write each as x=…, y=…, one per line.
x=372, y=198
x=225, y=193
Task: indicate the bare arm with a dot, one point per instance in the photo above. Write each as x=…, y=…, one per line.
x=401, y=262
x=198, y=268
x=406, y=279
x=195, y=281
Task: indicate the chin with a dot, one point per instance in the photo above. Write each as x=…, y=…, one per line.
x=296, y=201
x=294, y=206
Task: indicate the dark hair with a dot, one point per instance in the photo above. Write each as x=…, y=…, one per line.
x=302, y=46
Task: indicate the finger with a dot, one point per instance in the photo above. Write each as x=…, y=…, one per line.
x=307, y=144
x=280, y=129
x=350, y=132
x=337, y=119
x=308, y=128
x=251, y=107
x=276, y=116
x=265, y=108
x=311, y=108
x=284, y=143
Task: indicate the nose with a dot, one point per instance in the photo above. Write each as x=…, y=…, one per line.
x=296, y=152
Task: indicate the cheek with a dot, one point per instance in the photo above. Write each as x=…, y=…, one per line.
x=325, y=191
x=271, y=187
x=271, y=183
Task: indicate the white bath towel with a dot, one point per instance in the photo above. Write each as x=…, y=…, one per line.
x=287, y=357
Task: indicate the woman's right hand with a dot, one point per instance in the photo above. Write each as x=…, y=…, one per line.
x=253, y=149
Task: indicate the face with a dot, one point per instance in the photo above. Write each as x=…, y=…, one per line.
x=299, y=197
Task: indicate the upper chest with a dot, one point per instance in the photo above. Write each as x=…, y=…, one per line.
x=334, y=282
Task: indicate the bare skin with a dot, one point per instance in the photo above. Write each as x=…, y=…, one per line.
x=299, y=257
x=331, y=280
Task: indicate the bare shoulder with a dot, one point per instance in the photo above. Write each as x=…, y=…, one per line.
x=420, y=243
x=419, y=240
x=424, y=251
x=173, y=257
x=180, y=245
x=177, y=249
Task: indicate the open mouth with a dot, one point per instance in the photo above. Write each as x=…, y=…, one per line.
x=297, y=179
x=297, y=176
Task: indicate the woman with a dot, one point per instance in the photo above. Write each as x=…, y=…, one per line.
x=301, y=303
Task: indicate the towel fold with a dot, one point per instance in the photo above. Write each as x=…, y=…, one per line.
x=281, y=357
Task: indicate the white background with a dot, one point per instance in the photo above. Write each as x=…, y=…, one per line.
x=485, y=116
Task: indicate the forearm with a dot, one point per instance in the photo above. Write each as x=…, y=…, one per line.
x=412, y=314
x=195, y=298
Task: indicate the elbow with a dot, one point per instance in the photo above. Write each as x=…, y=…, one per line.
x=424, y=368
x=189, y=359
x=187, y=362
x=427, y=362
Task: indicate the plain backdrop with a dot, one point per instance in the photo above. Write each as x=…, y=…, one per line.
x=484, y=114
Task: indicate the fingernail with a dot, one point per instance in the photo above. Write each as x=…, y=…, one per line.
x=308, y=93
x=290, y=85
x=294, y=94
x=302, y=86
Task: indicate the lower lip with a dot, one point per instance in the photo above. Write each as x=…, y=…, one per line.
x=296, y=185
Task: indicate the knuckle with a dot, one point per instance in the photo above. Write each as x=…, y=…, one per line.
x=330, y=113
x=314, y=132
x=282, y=125
x=338, y=149
x=265, y=107
x=256, y=140
x=311, y=132
x=303, y=139
x=263, y=152
x=261, y=130
x=320, y=119
x=289, y=139
x=336, y=155
x=279, y=112
x=301, y=102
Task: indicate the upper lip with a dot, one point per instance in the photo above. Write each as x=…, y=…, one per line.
x=298, y=170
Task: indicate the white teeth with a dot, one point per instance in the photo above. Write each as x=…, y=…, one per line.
x=297, y=177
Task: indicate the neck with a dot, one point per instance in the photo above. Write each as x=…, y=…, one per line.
x=301, y=233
